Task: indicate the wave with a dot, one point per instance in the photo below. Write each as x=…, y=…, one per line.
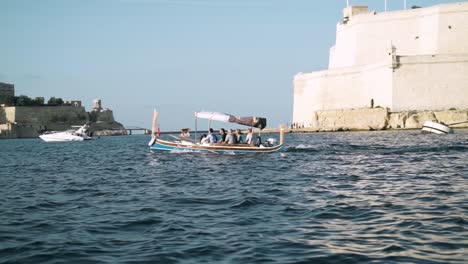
x=334, y=198
x=141, y=223
x=383, y=150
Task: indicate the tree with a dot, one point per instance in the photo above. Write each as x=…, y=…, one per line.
x=39, y=101
x=23, y=100
x=59, y=101
x=55, y=101
x=51, y=101
x=7, y=99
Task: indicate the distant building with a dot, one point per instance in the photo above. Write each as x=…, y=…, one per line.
x=7, y=89
x=97, y=105
x=73, y=103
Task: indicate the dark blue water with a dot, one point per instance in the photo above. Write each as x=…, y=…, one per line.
x=370, y=197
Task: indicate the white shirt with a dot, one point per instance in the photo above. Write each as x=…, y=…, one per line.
x=248, y=138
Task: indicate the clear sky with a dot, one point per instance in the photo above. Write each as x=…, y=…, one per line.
x=178, y=56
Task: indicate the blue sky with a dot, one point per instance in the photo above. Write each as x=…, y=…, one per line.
x=179, y=56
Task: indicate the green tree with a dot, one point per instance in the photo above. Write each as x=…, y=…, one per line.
x=51, y=101
x=23, y=100
x=59, y=101
x=7, y=99
x=39, y=101
x=55, y=101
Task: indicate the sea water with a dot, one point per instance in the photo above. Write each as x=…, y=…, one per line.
x=362, y=197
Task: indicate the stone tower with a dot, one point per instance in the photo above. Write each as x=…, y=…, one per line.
x=97, y=105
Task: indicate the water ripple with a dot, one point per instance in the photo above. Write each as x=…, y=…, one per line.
x=380, y=197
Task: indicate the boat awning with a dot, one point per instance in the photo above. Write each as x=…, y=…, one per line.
x=252, y=121
x=213, y=116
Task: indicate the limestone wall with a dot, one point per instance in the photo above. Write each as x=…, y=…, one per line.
x=453, y=29
x=360, y=119
x=382, y=119
x=104, y=115
x=101, y=128
x=5, y=131
x=345, y=88
x=432, y=82
x=3, y=119
x=7, y=115
x=365, y=38
x=29, y=122
x=404, y=60
x=51, y=117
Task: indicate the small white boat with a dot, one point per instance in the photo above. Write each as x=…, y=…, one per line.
x=437, y=128
x=70, y=135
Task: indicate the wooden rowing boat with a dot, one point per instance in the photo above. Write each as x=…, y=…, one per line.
x=181, y=145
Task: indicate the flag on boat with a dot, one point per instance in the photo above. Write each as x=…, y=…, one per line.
x=259, y=122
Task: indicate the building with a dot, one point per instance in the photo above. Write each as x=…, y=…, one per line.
x=75, y=103
x=97, y=105
x=7, y=89
x=414, y=59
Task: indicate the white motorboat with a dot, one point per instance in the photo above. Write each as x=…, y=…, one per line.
x=437, y=128
x=79, y=134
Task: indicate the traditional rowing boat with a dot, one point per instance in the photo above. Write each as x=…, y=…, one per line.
x=188, y=145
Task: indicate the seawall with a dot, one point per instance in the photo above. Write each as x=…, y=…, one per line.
x=378, y=119
x=30, y=121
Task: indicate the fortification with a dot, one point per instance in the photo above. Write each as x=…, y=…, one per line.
x=30, y=121
x=7, y=89
x=409, y=60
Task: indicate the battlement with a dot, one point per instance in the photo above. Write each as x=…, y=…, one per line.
x=365, y=36
x=414, y=59
x=7, y=89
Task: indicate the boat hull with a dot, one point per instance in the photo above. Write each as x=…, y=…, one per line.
x=62, y=136
x=162, y=145
x=436, y=128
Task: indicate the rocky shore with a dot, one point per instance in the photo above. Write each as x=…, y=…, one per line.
x=368, y=119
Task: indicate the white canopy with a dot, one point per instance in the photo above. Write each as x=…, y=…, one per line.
x=252, y=121
x=213, y=116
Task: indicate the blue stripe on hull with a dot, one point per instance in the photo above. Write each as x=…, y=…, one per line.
x=158, y=146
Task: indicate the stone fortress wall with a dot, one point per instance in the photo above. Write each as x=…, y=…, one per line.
x=7, y=89
x=409, y=60
x=30, y=121
x=380, y=119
